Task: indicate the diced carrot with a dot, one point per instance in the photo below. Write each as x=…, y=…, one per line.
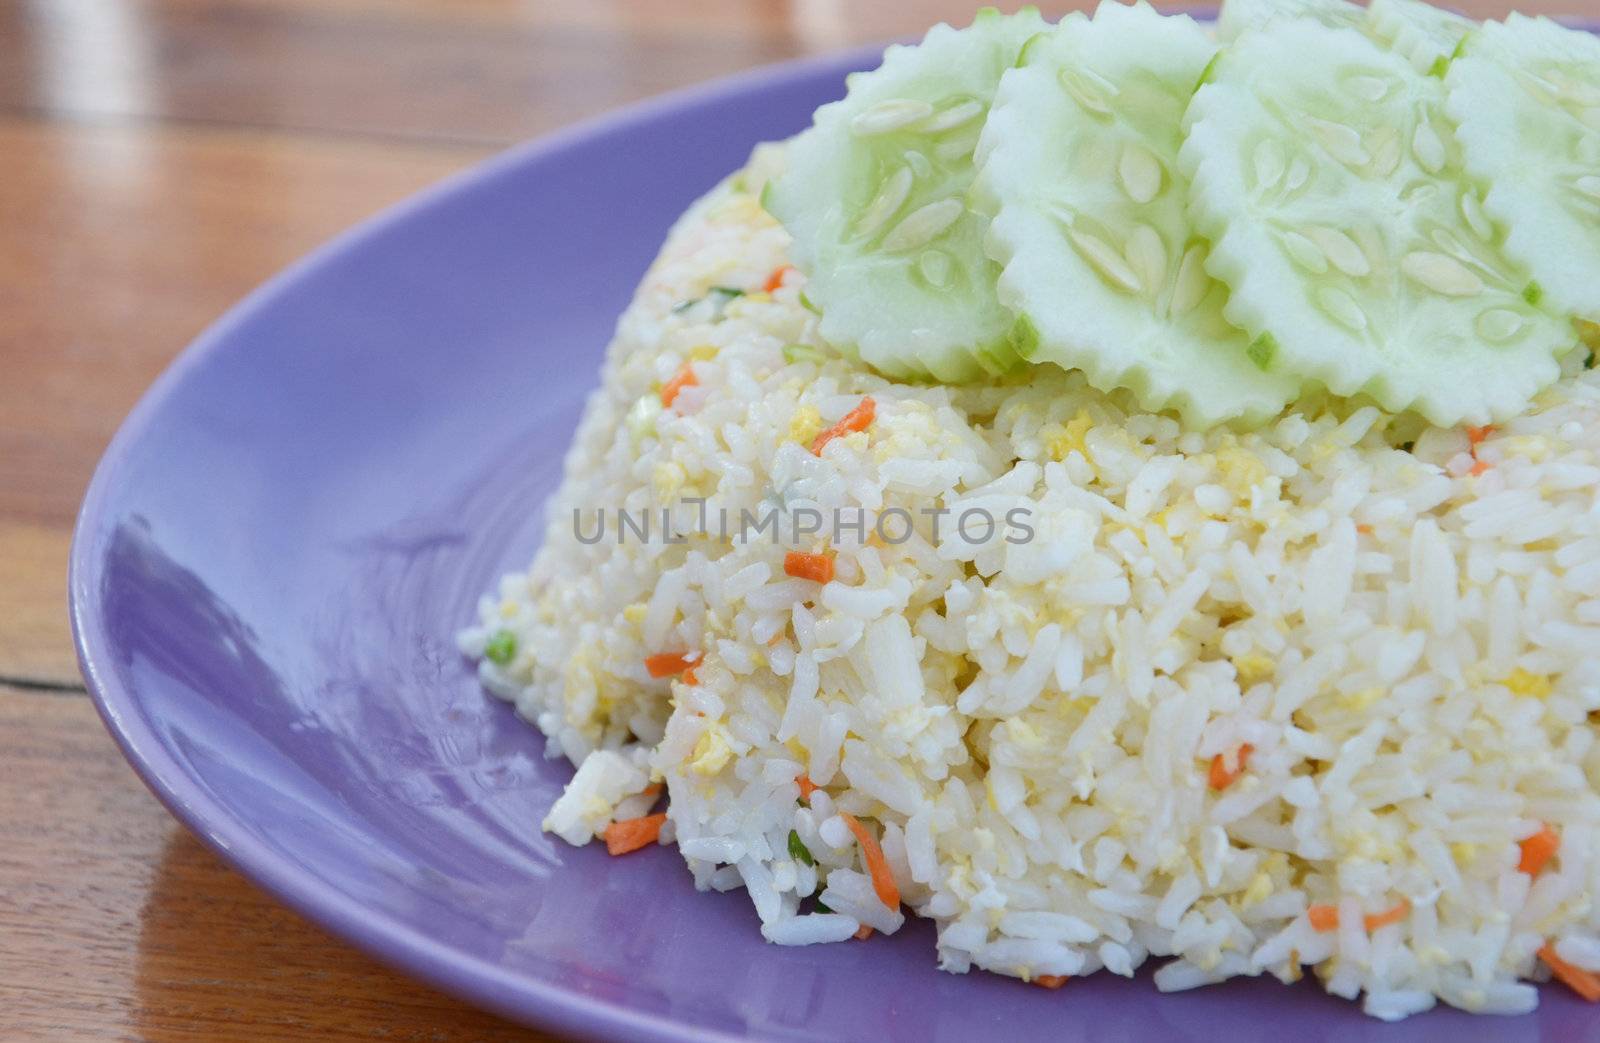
x=666, y=664
x=775, y=280
x=652, y=790
x=882, y=880
x=633, y=833
x=1050, y=981
x=1392, y=915
x=690, y=677
x=858, y=419
x=1539, y=849
x=1221, y=775
x=680, y=380
x=863, y=933
x=1364, y=529
x=807, y=787
x=1584, y=983
x=815, y=567
x=1326, y=917
x=1475, y=436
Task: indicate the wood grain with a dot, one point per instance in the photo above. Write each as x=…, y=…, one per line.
x=122, y=243
x=162, y=157
x=35, y=639
x=494, y=72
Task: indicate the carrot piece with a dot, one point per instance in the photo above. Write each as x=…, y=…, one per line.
x=633, y=833
x=815, y=567
x=1050, y=981
x=1539, y=849
x=1392, y=915
x=690, y=677
x=858, y=419
x=1221, y=775
x=683, y=378
x=1584, y=983
x=1323, y=917
x=775, y=280
x=1475, y=436
x=882, y=880
x=1364, y=529
x=1326, y=917
x=665, y=664
x=652, y=790
x=863, y=933
x=807, y=787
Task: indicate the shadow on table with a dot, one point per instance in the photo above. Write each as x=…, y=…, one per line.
x=219, y=959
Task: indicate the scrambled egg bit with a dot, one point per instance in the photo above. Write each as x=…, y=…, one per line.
x=711, y=752
x=1252, y=667
x=1521, y=682
x=1060, y=441
x=804, y=425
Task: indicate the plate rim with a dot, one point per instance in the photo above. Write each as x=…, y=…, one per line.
x=519, y=997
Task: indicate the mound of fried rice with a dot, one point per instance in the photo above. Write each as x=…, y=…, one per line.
x=1245, y=703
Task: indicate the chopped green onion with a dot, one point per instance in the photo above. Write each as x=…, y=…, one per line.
x=822, y=908
x=722, y=295
x=502, y=647
x=798, y=849
x=805, y=302
x=1588, y=362
x=801, y=353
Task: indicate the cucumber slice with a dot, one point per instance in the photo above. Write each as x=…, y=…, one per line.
x=1238, y=16
x=1326, y=173
x=1079, y=168
x=875, y=196
x=1422, y=34
x=1525, y=96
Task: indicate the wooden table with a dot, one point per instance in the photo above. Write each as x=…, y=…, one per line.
x=158, y=158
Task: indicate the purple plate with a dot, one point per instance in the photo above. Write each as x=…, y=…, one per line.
x=283, y=537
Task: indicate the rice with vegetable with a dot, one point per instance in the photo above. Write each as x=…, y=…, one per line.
x=1242, y=694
